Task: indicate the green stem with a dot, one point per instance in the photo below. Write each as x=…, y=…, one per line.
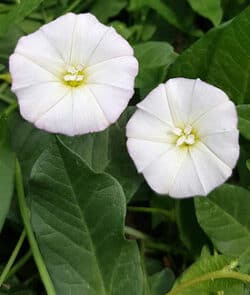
x=30, y=235
x=12, y=258
x=136, y=233
x=168, y=214
x=220, y=274
x=150, y=243
x=158, y=246
x=6, y=77
x=20, y=263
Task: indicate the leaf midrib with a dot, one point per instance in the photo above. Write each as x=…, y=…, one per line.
x=84, y=222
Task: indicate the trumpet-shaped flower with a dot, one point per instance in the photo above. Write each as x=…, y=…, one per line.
x=183, y=138
x=73, y=76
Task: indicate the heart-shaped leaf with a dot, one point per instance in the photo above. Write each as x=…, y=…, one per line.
x=78, y=218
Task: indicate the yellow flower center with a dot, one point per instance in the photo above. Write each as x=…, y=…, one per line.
x=185, y=136
x=74, y=76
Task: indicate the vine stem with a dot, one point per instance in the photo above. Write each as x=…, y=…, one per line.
x=136, y=233
x=20, y=263
x=30, y=235
x=12, y=258
x=220, y=274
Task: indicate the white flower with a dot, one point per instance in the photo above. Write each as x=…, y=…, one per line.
x=73, y=76
x=184, y=138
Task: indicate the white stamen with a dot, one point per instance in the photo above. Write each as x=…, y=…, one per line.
x=177, y=131
x=180, y=140
x=185, y=136
x=74, y=74
x=71, y=70
x=79, y=77
x=68, y=77
x=190, y=139
x=187, y=129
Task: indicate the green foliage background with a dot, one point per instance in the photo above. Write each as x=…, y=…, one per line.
x=88, y=223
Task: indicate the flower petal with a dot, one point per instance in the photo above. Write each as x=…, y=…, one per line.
x=220, y=119
x=74, y=48
x=87, y=113
x=211, y=170
x=118, y=72
x=112, y=100
x=59, y=118
x=25, y=73
x=224, y=145
x=179, y=93
x=189, y=99
x=37, y=48
x=187, y=182
x=144, y=152
x=206, y=97
x=145, y=126
x=60, y=33
x=88, y=33
x=78, y=110
x=35, y=101
x=105, y=49
x=156, y=103
x=162, y=171
x=204, y=118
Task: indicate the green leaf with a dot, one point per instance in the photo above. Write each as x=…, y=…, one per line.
x=244, y=120
x=28, y=143
x=111, y=8
x=206, y=265
x=219, y=57
x=243, y=171
x=164, y=10
x=224, y=216
x=9, y=41
x=244, y=262
x=161, y=282
x=78, y=218
x=154, y=59
x=17, y=14
x=210, y=9
x=153, y=54
x=122, y=29
x=7, y=171
x=107, y=151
